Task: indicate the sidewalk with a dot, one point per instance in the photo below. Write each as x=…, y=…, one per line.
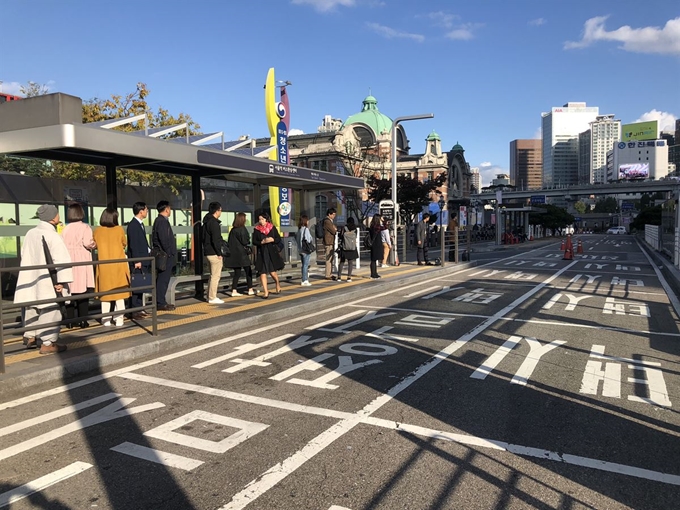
x=95, y=348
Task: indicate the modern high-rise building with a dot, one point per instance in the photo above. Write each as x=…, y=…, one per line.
x=526, y=170
x=561, y=127
x=604, y=132
x=475, y=179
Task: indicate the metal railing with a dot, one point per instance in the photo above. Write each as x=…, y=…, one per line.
x=12, y=328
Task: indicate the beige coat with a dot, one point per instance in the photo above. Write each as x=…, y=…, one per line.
x=36, y=284
x=111, y=243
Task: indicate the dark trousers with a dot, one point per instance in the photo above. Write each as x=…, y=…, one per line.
x=162, y=282
x=374, y=268
x=421, y=253
x=237, y=276
x=78, y=307
x=136, y=298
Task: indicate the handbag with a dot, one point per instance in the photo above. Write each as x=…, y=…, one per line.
x=224, y=248
x=305, y=246
x=161, y=258
x=140, y=279
x=249, y=250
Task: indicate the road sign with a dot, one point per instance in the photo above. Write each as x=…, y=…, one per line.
x=387, y=210
x=627, y=206
x=538, y=199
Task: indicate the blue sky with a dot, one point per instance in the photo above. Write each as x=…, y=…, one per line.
x=486, y=69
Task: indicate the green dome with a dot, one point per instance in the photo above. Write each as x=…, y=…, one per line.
x=433, y=136
x=371, y=117
x=458, y=147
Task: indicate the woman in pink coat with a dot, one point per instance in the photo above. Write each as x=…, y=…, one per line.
x=78, y=238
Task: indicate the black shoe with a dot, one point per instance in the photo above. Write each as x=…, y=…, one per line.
x=166, y=308
x=138, y=316
x=84, y=325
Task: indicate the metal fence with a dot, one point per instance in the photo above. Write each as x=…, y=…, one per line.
x=13, y=328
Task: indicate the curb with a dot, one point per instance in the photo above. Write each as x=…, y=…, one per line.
x=94, y=362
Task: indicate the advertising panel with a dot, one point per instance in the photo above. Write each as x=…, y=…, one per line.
x=634, y=171
x=640, y=131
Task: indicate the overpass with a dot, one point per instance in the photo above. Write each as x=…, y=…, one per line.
x=613, y=188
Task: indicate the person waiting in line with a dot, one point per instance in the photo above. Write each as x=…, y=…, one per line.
x=266, y=238
x=163, y=239
x=304, y=248
x=38, y=284
x=421, y=240
x=386, y=240
x=138, y=246
x=111, y=243
x=212, y=249
x=329, y=233
x=79, y=241
x=374, y=232
x=239, y=255
x=347, y=239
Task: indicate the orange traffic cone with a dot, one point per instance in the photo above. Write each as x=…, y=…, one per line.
x=562, y=245
x=579, y=247
x=568, y=250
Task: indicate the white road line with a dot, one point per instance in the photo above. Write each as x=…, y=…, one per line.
x=242, y=350
x=422, y=291
x=280, y=471
x=157, y=456
x=9, y=497
x=156, y=361
x=44, y=418
x=241, y=397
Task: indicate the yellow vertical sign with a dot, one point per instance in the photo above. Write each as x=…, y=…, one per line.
x=272, y=121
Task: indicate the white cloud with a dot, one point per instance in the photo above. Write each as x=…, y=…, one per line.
x=488, y=172
x=294, y=131
x=537, y=22
x=538, y=134
x=666, y=120
x=485, y=164
x=391, y=33
x=441, y=18
x=664, y=40
x=11, y=87
x=325, y=5
x=464, y=32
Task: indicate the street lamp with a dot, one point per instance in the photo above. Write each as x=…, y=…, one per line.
x=395, y=123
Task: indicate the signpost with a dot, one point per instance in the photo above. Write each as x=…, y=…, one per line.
x=387, y=210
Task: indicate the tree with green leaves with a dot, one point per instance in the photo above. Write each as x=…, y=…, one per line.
x=554, y=218
x=580, y=207
x=649, y=216
x=606, y=205
x=412, y=194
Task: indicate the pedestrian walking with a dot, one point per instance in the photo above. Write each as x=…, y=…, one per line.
x=329, y=233
x=306, y=247
x=111, y=242
x=138, y=246
x=240, y=252
x=41, y=242
x=374, y=233
x=347, y=240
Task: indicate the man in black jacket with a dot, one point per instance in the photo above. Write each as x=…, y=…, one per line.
x=163, y=239
x=138, y=246
x=212, y=248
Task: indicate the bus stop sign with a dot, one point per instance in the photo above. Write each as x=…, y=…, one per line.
x=387, y=210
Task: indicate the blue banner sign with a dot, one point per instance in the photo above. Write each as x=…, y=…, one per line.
x=538, y=199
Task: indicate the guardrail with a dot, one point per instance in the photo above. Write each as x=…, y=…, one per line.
x=12, y=328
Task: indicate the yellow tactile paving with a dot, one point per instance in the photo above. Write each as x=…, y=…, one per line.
x=209, y=312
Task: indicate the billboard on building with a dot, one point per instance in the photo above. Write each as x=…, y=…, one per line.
x=640, y=131
x=634, y=171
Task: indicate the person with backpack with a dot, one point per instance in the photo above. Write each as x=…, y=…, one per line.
x=328, y=235
x=347, y=240
x=373, y=242
x=306, y=247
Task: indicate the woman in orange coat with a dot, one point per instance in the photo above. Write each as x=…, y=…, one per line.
x=111, y=243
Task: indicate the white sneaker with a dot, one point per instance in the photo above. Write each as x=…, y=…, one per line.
x=107, y=324
x=349, y=279
x=251, y=292
x=385, y=265
x=216, y=301
x=235, y=293
x=119, y=323
x=306, y=283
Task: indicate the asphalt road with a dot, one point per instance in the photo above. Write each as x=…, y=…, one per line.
x=526, y=382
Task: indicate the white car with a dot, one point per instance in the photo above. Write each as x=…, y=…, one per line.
x=616, y=230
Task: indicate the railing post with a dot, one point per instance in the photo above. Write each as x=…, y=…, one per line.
x=154, y=310
x=2, y=336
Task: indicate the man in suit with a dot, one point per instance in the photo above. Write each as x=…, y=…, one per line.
x=138, y=246
x=163, y=238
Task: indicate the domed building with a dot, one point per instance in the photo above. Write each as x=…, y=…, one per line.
x=360, y=146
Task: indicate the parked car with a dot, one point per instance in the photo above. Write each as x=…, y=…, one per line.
x=616, y=230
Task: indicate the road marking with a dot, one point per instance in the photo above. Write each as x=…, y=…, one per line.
x=281, y=470
x=246, y=430
x=492, y=361
x=571, y=306
x=422, y=291
x=618, y=307
x=240, y=350
x=261, y=361
x=9, y=497
x=157, y=456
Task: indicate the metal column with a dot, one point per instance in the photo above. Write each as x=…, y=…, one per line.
x=196, y=212
x=111, y=186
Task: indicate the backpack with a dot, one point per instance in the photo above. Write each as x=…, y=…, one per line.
x=349, y=240
x=368, y=241
x=318, y=229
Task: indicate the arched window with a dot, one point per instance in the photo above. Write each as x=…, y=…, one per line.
x=365, y=136
x=320, y=206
